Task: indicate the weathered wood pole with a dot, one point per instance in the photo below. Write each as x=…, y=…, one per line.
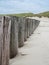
x=14, y=36
x=21, y=32
x=30, y=27
x=25, y=30
x=5, y=24
x=34, y=26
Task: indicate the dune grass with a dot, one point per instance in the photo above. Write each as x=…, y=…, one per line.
x=22, y=14
x=45, y=14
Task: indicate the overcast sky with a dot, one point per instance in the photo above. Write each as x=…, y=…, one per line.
x=22, y=6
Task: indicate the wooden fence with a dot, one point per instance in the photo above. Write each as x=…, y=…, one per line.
x=14, y=31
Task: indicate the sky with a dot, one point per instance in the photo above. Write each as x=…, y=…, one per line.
x=23, y=6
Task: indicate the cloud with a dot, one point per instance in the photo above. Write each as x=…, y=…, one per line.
x=19, y=6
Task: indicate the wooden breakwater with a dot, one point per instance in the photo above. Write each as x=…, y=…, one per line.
x=14, y=31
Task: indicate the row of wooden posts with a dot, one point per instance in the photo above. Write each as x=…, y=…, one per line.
x=14, y=31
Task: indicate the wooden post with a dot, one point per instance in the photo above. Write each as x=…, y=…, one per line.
x=5, y=24
x=21, y=32
x=27, y=23
x=14, y=37
x=34, y=27
x=30, y=27
x=25, y=31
